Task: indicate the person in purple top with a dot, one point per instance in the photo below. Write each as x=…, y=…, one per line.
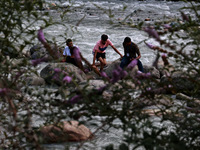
x=99, y=51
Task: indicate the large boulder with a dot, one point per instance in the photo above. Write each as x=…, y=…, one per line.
x=147, y=69
x=50, y=75
x=111, y=66
x=65, y=131
x=115, y=65
x=39, y=51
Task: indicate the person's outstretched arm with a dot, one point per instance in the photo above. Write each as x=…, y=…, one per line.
x=117, y=51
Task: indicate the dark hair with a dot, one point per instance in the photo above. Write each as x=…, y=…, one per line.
x=104, y=37
x=127, y=40
x=68, y=41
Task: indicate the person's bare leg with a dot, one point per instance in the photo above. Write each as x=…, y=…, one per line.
x=80, y=65
x=94, y=68
x=103, y=63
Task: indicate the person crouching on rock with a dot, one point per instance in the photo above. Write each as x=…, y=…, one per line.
x=99, y=51
x=72, y=55
x=130, y=51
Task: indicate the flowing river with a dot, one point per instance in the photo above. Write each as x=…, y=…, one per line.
x=96, y=21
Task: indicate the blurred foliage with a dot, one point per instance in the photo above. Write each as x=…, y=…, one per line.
x=24, y=108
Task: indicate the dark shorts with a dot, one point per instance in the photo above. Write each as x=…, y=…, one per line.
x=71, y=60
x=102, y=55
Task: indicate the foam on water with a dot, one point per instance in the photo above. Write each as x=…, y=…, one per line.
x=96, y=22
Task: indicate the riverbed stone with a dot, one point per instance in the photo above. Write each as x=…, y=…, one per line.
x=158, y=100
x=37, y=51
x=191, y=101
x=66, y=131
x=179, y=81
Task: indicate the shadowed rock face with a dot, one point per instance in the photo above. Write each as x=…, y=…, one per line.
x=70, y=131
x=50, y=76
x=180, y=81
x=39, y=51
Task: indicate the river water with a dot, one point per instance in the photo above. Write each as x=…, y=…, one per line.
x=96, y=22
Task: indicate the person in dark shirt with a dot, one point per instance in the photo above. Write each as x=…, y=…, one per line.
x=131, y=52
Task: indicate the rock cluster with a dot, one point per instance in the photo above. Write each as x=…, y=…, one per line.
x=168, y=76
x=54, y=72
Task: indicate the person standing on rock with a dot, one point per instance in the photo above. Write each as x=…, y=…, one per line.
x=131, y=52
x=99, y=51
